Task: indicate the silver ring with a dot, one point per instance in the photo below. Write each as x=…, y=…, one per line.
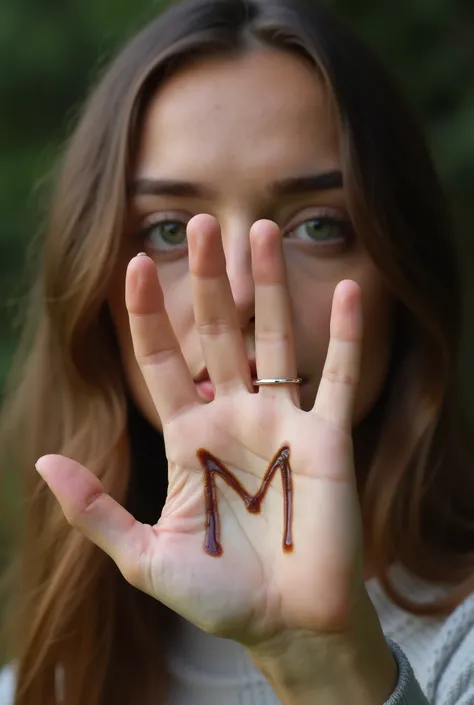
x=277, y=380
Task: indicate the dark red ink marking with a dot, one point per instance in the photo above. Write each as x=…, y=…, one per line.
x=212, y=467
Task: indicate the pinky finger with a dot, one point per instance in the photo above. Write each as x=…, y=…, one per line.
x=98, y=516
x=338, y=387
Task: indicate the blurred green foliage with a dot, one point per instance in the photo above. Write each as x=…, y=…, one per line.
x=50, y=52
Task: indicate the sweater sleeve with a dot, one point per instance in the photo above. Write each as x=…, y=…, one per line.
x=455, y=685
x=408, y=691
x=7, y=685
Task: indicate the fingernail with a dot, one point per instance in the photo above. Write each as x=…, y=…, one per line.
x=141, y=254
x=38, y=466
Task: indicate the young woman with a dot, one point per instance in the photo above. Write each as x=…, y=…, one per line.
x=262, y=488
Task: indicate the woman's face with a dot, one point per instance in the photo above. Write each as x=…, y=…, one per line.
x=246, y=139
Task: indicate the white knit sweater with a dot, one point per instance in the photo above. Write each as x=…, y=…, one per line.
x=435, y=658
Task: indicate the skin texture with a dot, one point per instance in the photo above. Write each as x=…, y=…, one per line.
x=242, y=290
x=235, y=127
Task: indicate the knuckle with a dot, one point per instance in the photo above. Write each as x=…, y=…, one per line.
x=154, y=357
x=77, y=516
x=339, y=377
x=215, y=327
x=270, y=335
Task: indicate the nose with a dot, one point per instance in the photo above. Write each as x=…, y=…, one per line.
x=239, y=272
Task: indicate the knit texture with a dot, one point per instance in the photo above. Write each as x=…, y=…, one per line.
x=435, y=657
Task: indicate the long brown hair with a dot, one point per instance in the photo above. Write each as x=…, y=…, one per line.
x=73, y=617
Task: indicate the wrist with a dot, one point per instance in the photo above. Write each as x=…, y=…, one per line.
x=357, y=667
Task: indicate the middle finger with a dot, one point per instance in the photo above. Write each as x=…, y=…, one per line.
x=214, y=307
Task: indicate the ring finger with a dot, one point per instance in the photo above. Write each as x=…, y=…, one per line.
x=274, y=341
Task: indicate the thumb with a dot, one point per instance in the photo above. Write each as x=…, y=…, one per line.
x=98, y=516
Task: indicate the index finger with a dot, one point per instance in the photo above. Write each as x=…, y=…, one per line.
x=340, y=378
x=156, y=347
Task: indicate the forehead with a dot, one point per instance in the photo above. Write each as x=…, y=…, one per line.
x=263, y=113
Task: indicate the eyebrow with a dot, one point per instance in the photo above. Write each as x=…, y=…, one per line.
x=323, y=181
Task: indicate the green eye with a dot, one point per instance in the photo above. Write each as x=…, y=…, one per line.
x=166, y=234
x=321, y=229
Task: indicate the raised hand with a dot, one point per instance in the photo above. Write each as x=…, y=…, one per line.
x=209, y=558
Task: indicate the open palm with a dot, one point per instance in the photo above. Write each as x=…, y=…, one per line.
x=297, y=562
